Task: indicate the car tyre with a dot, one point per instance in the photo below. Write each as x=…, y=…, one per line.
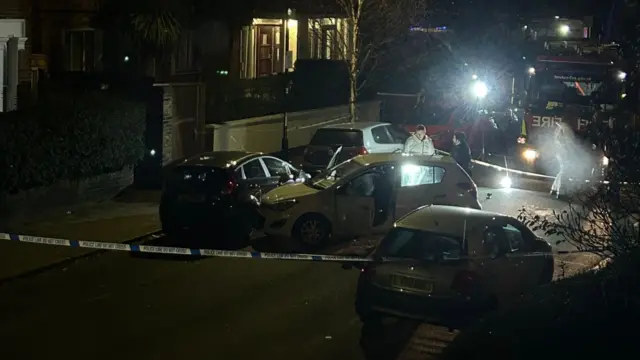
x=312, y=231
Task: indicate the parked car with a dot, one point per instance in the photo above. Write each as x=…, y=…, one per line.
x=458, y=264
x=358, y=138
x=363, y=196
x=220, y=191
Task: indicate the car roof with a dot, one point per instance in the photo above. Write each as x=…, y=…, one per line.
x=391, y=157
x=219, y=158
x=446, y=219
x=360, y=125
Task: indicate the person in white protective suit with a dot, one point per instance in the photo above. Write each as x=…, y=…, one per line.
x=560, y=144
x=419, y=143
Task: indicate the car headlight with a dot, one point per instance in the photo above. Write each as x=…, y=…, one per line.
x=605, y=161
x=283, y=205
x=530, y=154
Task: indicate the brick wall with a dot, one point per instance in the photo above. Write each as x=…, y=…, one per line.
x=32, y=202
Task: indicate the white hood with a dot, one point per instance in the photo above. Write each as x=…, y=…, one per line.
x=286, y=192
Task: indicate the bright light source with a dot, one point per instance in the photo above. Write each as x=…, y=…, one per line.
x=622, y=75
x=152, y=152
x=126, y=58
x=480, y=89
x=292, y=24
x=524, y=27
x=564, y=29
x=623, y=96
x=605, y=161
x=505, y=182
x=530, y=154
x=474, y=77
x=531, y=71
x=557, y=17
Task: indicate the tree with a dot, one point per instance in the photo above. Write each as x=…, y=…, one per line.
x=366, y=32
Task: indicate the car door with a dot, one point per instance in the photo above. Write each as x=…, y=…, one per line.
x=522, y=244
x=254, y=178
x=503, y=264
x=278, y=173
x=419, y=185
x=355, y=205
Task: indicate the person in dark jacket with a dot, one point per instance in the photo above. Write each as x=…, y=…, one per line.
x=461, y=152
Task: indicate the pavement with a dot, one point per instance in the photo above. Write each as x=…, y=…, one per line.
x=126, y=306
x=130, y=215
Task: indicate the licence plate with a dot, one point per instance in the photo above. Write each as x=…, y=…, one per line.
x=193, y=198
x=412, y=283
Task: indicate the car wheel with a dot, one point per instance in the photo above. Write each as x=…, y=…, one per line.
x=312, y=231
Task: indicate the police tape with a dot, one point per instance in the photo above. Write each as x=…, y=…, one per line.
x=171, y=250
x=507, y=170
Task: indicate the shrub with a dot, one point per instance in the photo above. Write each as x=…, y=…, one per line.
x=69, y=136
x=586, y=316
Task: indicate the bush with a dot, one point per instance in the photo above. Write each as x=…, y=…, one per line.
x=69, y=136
x=590, y=315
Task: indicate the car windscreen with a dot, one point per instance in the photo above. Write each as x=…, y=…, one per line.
x=343, y=137
x=330, y=176
x=197, y=179
x=419, y=245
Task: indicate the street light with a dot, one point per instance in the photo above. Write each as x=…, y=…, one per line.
x=285, y=116
x=480, y=89
x=474, y=77
x=532, y=71
x=622, y=75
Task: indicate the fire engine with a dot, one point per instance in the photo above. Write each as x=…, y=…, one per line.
x=573, y=81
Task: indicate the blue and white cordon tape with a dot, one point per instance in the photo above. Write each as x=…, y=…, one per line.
x=171, y=250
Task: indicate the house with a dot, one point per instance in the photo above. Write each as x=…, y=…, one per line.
x=272, y=43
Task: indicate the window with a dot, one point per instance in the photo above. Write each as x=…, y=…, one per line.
x=193, y=179
x=377, y=182
x=238, y=174
x=420, y=245
x=275, y=166
x=503, y=240
x=80, y=50
x=381, y=136
x=253, y=170
x=398, y=135
x=416, y=175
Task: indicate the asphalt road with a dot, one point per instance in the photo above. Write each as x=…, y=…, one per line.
x=119, y=306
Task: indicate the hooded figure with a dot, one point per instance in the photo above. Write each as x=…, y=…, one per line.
x=419, y=143
x=461, y=152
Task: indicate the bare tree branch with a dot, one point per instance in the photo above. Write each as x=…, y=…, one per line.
x=362, y=34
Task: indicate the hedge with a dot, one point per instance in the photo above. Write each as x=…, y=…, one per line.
x=69, y=136
x=593, y=315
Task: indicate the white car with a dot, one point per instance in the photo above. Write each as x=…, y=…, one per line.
x=457, y=263
x=355, y=139
x=364, y=196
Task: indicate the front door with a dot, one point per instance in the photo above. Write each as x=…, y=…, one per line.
x=267, y=50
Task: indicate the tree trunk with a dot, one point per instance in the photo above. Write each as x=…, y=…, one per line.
x=353, y=71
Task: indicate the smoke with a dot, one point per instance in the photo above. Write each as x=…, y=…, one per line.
x=570, y=153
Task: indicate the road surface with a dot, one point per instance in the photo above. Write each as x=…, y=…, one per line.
x=119, y=306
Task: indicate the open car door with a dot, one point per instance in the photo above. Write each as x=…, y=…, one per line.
x=334, y=158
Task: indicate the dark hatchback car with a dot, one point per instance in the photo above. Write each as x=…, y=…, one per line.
x=219, y=193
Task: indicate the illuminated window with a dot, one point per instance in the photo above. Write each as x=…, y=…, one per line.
x=416, y=175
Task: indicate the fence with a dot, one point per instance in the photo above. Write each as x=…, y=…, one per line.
x=264, y=134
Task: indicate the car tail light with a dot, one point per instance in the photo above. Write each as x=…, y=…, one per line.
x=363, y=151
x=368, y=271
x=230, y=186
x=464, y=282
x=470, y=188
